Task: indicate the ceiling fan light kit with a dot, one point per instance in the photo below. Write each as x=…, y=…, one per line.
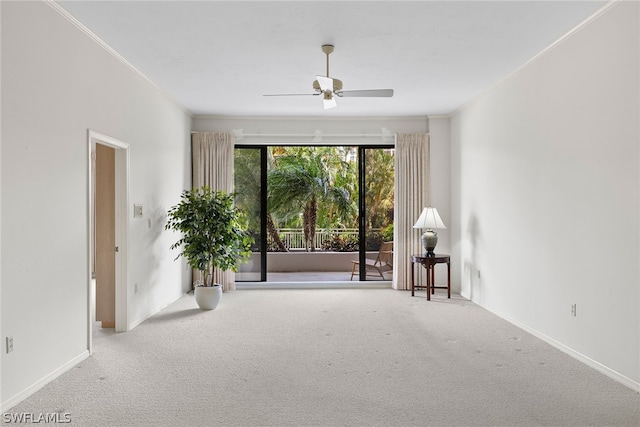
x=328, y=86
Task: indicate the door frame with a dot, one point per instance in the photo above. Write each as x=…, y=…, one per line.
x=121, y=230
x=361, y=150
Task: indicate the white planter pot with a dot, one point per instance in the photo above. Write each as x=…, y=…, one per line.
x=208, y=297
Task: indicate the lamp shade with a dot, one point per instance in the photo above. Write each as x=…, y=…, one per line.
x=429, y=219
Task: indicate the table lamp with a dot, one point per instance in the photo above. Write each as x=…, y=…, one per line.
x=428, y=220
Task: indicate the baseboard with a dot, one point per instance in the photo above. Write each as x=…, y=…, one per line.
x=627, y=382
x=146, y=316
x=11, y=402
x=379, y=284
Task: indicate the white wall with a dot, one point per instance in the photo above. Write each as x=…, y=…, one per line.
x=545, y=195
x=56, y=84
x=440, y=169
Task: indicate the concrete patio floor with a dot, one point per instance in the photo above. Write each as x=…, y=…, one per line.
x=323, y=276
x=316, y=279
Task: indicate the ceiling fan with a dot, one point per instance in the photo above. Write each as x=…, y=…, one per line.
x=328, y=87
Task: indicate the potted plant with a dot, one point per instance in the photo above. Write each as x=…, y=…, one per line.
x=214, y=235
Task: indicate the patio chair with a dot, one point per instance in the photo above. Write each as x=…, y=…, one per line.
x=382, y=264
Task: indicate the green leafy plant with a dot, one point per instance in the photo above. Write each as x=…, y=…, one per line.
x=308, y=183
x=214, y=232
x=387, y=233
x=338, y=243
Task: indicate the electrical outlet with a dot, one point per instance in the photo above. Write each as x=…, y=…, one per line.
x=9, y=344
x=573, y=310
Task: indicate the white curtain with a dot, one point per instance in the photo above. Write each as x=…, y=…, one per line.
x=411, y=195
x=212, y=165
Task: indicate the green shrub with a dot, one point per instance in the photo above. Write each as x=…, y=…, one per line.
x=338, y=243
x=387, y=233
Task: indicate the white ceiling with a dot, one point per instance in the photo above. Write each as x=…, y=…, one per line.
x=220, y=57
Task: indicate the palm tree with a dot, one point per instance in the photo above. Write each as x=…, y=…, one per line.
x=344, y=176
x=247, y=177
x=302, y=179
x=379, y=192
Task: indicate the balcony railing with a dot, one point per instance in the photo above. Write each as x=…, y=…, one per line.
x=293, y=238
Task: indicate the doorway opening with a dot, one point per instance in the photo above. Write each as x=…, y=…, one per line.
x=108, y=231
x=317, y=213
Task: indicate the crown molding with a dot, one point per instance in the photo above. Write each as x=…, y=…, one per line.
x=597, y=14
x=309, y=118
x=60, y=10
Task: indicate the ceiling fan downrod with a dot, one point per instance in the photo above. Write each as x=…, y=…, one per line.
x=327, y=49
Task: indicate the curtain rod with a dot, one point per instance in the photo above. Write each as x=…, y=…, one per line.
x=336, y=135
x=317, y=134
x=308, y=134
x=311, y=135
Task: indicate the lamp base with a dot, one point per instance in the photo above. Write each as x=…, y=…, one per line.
x=429, y=242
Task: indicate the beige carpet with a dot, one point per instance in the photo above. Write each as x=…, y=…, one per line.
x=368, y=357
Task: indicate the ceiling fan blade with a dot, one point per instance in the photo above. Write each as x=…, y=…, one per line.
x=326, y=83
x=382, y=93
x=292, y=94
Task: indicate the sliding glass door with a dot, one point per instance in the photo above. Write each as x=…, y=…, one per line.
x=315, y=211
x=376, y=183
x=250, y=196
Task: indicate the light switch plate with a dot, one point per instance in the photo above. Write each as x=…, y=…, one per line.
x=137, y=211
